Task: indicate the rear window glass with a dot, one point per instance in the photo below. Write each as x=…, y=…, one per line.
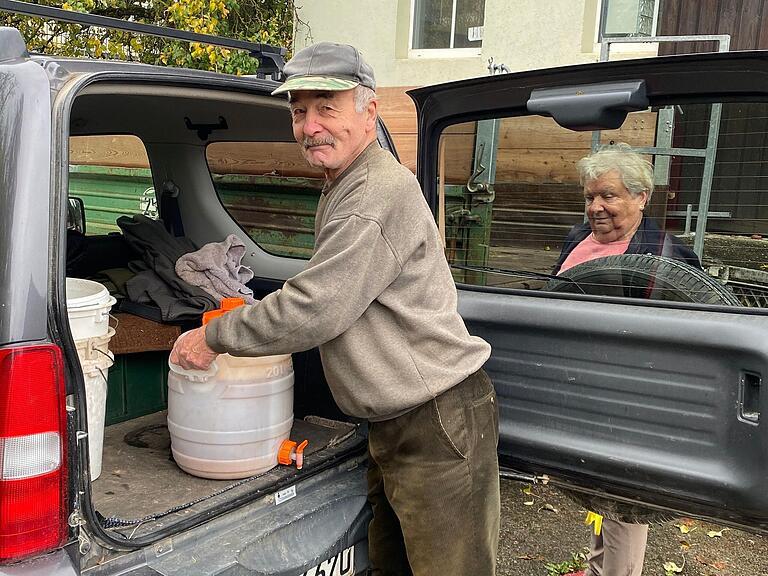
x=270, y=191
x=112, y=177
x=521, y=209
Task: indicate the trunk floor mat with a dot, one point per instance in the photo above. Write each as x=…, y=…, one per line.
x=139, y=478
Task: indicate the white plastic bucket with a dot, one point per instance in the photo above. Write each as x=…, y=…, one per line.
x=88, y=305
x=95, y=376
x=230, y=422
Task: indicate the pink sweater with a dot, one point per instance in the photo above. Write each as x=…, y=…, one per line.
x=589, y=249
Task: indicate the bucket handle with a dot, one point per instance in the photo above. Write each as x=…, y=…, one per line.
x=109, y=355
x=91, y=348
x=117, y=321
x=102, y=373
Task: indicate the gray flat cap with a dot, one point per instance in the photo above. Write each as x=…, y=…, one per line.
x=327, y=66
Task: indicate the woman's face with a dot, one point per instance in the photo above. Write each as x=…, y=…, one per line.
x=613, y=212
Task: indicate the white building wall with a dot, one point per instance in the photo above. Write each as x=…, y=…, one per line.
x=521, y=34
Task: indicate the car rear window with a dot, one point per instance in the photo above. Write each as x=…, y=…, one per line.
x=111, y=175
x=270, y=191
x=513, y=205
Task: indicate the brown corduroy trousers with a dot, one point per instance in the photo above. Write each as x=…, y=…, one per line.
x=433, y=483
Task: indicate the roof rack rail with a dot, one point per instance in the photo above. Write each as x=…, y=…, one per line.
x=271, y=58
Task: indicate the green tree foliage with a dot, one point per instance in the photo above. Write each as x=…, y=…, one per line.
x=266, y=21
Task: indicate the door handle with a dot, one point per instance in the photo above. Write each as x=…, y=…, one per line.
x=749, y=397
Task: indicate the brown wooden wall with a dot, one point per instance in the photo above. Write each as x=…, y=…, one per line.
x=740, y=183
x=745, y=20
x=532, y=149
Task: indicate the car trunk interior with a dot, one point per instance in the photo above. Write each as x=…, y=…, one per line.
x=141, y=492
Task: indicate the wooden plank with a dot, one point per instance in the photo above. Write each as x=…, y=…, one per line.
x=123, y=151
x=397, y=109
x=405, y=144
x=762, y=40
x=459, y=150
x=708, y=18
x=728, y=21
x=749, y=25
x=538, y=132
x=689, y=26
x=279, y=158
x=550, y=166
x=669, y=20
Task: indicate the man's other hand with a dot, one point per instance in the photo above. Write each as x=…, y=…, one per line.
x=191, y=352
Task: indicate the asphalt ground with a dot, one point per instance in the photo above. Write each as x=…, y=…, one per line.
x=551, y=530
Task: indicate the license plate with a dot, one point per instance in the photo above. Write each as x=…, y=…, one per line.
x=343, y=564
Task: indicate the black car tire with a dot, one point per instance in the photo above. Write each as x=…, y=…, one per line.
x=643, y=276
x=638, y=276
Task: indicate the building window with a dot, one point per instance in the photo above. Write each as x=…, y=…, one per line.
x=623, y=18
x=445, y=24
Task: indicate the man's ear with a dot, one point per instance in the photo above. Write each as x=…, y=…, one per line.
x=371, y=114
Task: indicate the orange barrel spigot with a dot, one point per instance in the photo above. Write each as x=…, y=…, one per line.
x=291, y=452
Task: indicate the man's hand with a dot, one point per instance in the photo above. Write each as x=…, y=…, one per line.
x=191, y=352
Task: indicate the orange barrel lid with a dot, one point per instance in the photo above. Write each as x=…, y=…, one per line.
x=211, y=314
x=231, y=303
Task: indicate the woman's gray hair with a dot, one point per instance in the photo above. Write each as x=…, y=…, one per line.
x=635, y=171
x=363, y=97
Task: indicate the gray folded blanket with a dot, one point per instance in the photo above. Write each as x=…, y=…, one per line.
x=217, y=269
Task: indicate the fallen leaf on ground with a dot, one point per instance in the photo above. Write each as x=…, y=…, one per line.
x=527, y=490
x=684, y=546
x=549, y=507
x=529, y=503
x=672, y=567
x=684, y=528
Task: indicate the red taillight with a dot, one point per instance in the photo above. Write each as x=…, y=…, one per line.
x=33, y=450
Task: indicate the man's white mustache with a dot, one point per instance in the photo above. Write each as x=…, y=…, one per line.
x=310, y=142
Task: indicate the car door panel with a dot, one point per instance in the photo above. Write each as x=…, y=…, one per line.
x=634, y=400
x=654, y=403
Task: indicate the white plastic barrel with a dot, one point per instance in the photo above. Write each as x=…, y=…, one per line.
x=230, y=422
x=88, y=305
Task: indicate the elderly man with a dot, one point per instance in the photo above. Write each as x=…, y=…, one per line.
x=378, y=299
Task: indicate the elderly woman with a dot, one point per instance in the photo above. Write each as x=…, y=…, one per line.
x=618, y=184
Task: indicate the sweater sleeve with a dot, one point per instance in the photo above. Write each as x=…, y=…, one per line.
x=352, y=265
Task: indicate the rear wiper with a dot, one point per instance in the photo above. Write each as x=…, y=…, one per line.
x=518, y=273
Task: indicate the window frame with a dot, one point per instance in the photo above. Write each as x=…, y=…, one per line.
x=129, y=173
x=450, y=51
x=709, y=267
x=602, y=12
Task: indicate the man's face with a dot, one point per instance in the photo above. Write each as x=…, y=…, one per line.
x=329, y=130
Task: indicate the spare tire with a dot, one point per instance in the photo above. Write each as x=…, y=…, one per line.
x=638, y=276
x=643, y=276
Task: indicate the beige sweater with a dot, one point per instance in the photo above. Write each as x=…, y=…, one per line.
x=377, y=298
